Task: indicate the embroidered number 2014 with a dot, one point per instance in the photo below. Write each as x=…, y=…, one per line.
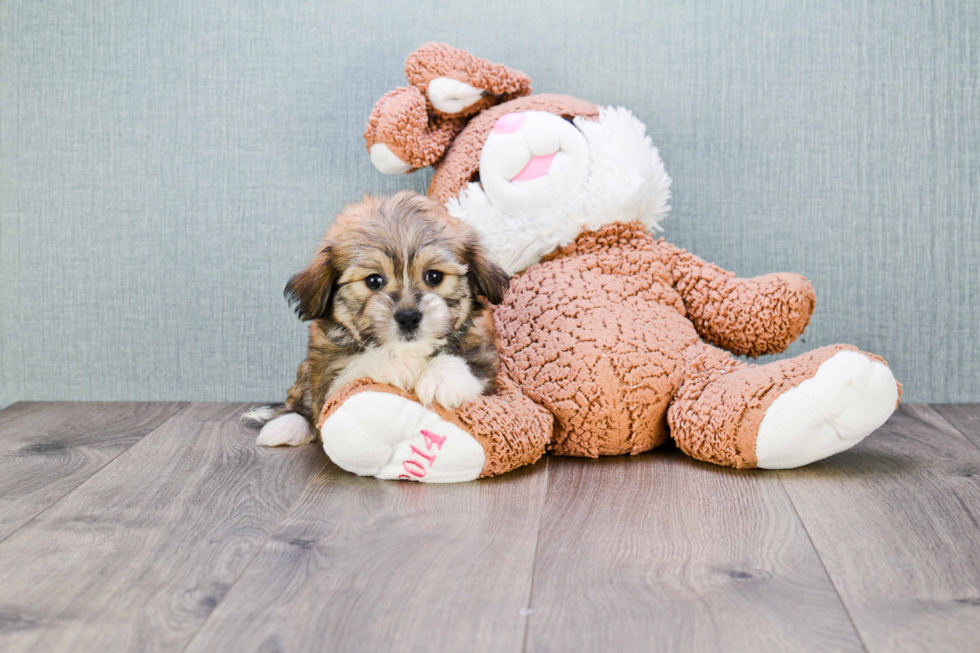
x=418, y=468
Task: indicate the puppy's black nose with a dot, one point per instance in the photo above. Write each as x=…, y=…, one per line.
x=408, y=321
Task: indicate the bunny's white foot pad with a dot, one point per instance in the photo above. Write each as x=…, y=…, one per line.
x=387, y=436
x=849, y=397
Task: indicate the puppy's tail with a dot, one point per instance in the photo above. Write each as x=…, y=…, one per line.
x=265, y=414
x=281, y=425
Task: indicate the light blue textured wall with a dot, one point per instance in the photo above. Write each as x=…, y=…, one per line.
x=165, y=166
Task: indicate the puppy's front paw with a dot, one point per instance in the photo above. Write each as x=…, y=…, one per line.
x=447, y=380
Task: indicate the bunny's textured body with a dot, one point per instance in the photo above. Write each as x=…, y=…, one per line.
x=611, y=341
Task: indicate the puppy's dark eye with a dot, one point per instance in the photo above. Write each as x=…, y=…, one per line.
x=375, y=282
x=433, y=277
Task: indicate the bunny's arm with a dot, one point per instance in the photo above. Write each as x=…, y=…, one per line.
x=750, y=317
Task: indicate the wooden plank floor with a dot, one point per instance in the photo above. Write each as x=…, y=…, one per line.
x=161, y=527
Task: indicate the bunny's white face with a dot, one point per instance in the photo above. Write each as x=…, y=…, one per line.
x=532, y=163
x=543, y=179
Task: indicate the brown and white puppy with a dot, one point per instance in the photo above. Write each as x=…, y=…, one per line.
x=396, y=293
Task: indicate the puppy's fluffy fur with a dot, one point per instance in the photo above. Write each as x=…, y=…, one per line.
x=396, y=293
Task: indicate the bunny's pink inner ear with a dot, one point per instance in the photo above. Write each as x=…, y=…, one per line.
x=399, y=135
x=456, y=83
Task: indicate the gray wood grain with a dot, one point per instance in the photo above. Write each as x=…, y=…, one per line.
x=896, y=521
x=964, y=417
x=190, y=538
x=139, y=556
x=660, y=552
x=47, y=450
x=368, y=565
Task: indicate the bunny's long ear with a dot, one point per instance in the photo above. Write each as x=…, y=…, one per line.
x=458, y=84
x=400, y=135
x=412, y=127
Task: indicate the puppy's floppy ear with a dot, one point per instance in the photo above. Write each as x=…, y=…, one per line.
x=310, y=292
x=485, y=277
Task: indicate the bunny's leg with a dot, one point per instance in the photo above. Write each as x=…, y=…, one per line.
x=376, y=430
x=784, y=414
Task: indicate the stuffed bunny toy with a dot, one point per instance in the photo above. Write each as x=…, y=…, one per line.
x=611, y=341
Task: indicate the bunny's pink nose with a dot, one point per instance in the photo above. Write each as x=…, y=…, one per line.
x=508, y=123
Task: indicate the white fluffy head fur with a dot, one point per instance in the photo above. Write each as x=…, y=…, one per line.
x=627, y=182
